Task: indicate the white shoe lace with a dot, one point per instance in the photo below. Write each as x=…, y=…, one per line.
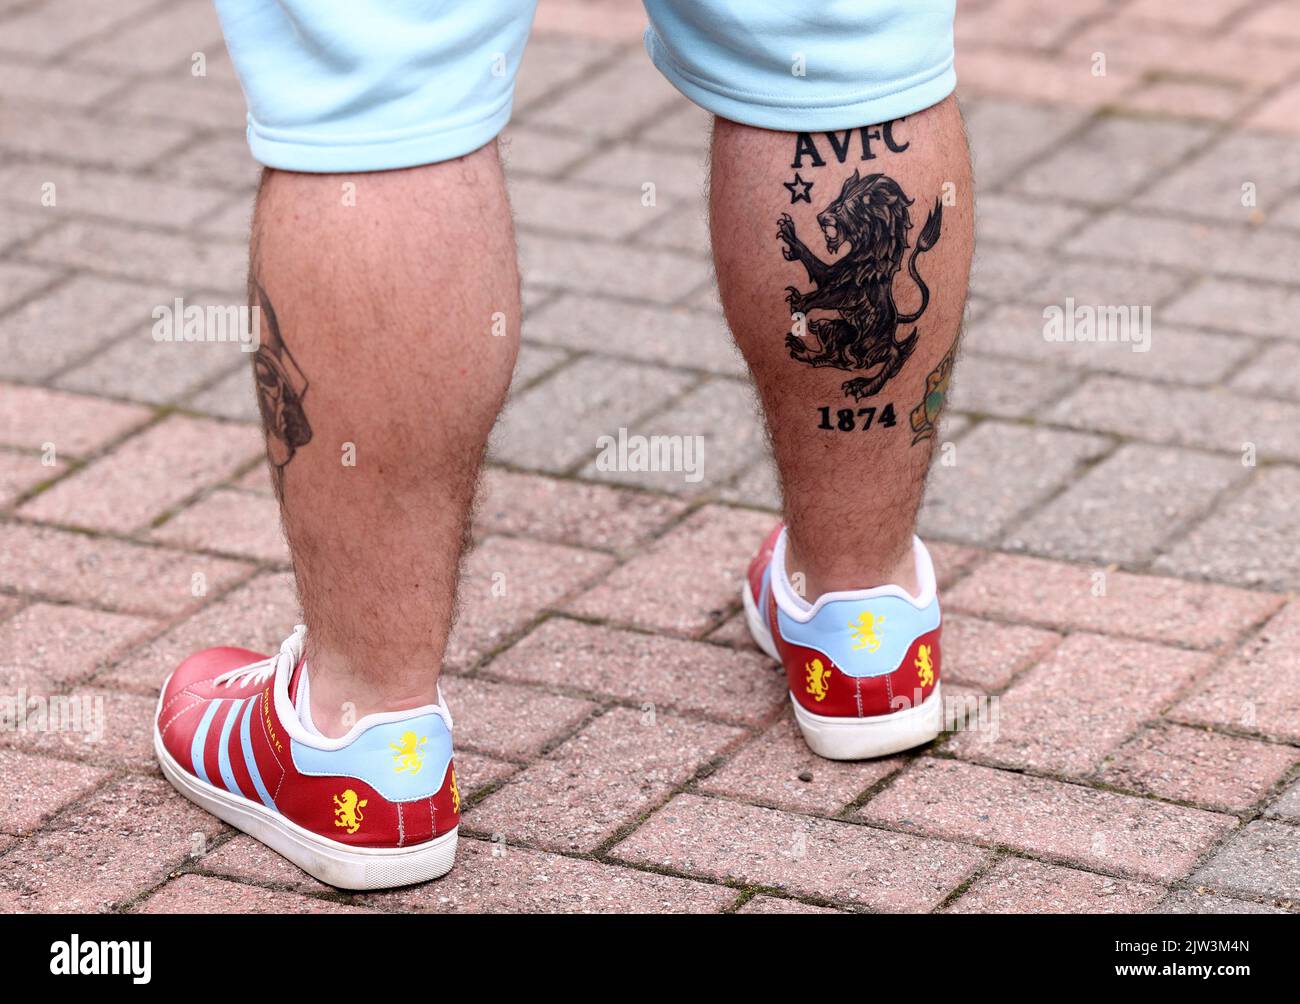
x=259, y=672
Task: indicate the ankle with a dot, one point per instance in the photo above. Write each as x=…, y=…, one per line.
x=837, y=575
x=339, y=695
x=337, y=705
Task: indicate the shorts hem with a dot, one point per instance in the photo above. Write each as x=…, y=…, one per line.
x=774, y=112
x=287, y=150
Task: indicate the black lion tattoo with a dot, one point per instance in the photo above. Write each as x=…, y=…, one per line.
x=871, y=216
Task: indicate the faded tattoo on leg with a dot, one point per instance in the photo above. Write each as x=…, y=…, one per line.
x=925, y=416
x=871, y=216
x=281, y=388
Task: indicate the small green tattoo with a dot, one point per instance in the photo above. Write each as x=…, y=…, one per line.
x=925, y=416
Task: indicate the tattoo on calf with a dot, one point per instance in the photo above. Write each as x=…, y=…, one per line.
x=856, y=322
x=281, y=387
x=848, y=419
x=870, y=215
x=841, y=143
x=800, y=190
x=925, y=416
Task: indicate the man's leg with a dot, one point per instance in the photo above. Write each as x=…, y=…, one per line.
x=842, y=228
x=380, y=377
x=850, y=396
x=842, y=261
x=383, y=262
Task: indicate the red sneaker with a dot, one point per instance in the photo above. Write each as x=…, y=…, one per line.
x=377, y=808
x=863, y=666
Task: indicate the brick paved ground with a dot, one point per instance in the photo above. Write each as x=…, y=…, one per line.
x=1116, y=573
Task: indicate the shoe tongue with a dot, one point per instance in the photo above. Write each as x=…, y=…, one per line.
x=300, y=697
x=297, y=681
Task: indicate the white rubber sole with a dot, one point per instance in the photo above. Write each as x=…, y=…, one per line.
x=757, y=624
x=333, y=863
x=879, y=735
x=837, y=738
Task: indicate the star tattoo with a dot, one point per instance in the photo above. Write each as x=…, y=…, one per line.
x=799, y=189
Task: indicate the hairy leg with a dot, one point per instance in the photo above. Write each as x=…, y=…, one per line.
x=390, y=323
x=852, y=451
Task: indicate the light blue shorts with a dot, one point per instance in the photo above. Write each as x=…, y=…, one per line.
x=372, y=85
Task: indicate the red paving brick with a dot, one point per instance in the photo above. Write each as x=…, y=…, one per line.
x=1258, y=690
x=118, y=843
x=63, y=643
x=16, y=681
x=477, y=771
x=778, y=769
x=776, y=905
x=1040, y=78
x=499, y=878
x=1192, y=765
x=574, y=17
x=1203, y=901
x=951, y=561
x=506, y=583
x=1274, y=21
x=148, y=474
x=21, y=472
x=256, y=480
x=510, y=721
x=570, y=512
x=1082, y=702
x=1030, y=22
x=631, y=666
x=688, y=580
x=205, y=894
x=1057, y=595
x=1281, y=113
x=257, y=615
x=845, y=862
x=1178, y=53
x=249, y=860
x=109, y=728
x=1176, y=97
x=74, y=423
x=611, y=772
x=229, y=522
x=986, y=655
x=38, y=787
x=1015, y=885
x=1066, y=823
x=734, y=632
x=130, y=578
x=1206, y=14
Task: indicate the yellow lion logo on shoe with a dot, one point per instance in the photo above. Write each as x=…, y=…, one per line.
x=347, y=810
x=924, y=666
x=864, y=631
x=819, y=679
x=455, y=792
x=408, y=752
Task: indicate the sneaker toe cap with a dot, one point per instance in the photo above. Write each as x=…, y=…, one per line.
x=198, y=671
